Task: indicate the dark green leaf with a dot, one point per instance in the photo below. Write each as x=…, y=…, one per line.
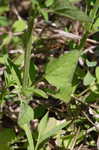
x=65, y=8
x=32, y=72
x=6, y=137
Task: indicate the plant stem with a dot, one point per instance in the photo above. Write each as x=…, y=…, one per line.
x=28, y=47
x=83, y=41
x=89, y=25
x=94, y=12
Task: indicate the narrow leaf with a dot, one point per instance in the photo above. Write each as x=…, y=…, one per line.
x=29, y=136
x=40, y=92
x=26, y=114
x=41, y=128
x=67, y=9
x=42, y=125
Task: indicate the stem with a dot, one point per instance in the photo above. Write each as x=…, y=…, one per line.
x=28, y=47
x=89, y=25
x=83, y=41
x=94, y=12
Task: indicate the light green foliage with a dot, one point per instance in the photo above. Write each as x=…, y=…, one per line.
x=26, y=114
x=45, y=130
x=93, y=16
x=96, y=26
x=12, y=74
x=6, y=40
x=49, y=2
x=59, y=72
x=97, y=74
x=74, y=1
x=64, y=93
x=29, y=136
x=21, y=83
x=40, y=92
x=42, y=125
x=34, y=91
x=88, y=79
x=91, y=64
x=19, y=26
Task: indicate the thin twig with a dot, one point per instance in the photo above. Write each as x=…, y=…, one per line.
x=79, y=148
x=63, y=34
x=89, y=119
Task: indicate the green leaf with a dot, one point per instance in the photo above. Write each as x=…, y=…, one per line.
x=19, y=26
x=92, y=97
x=74, y=1
x=29, y=136
x=42, y=125
x=3, y=21
x=2, y=60
x=67, y=9
x=6, y=40
x=6, y=137
x=19, y=60
x=40, y=92
x=97, y=74
x=15, y=73
x=94, y=11
x=91, y=64
x=59, y=72
x=61, y=4
x=88, y=79
x=51, y=132
x=49, y=2
x=41, y=128
x=32, y=90
x=44, y=13
x=96, y=25
x=26, y=114
x=52, y=123
x=64, y=93
x=3, y=9
x=32, y=72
